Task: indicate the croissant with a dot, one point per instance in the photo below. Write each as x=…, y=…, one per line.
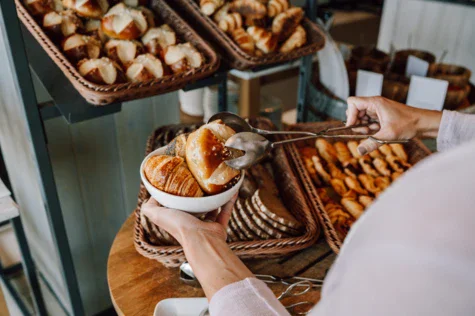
x=365, y=200
x=177, y=147
x=249, y=8
x=171, y=175
x=365, y=163
x=339, y=186
x=399, y=151
x=285, y=23
x=382, y=183
x=340, y=219
x=231, y=22
x=276, y=7
x=324, y=175
x=244, y=40
x=397, y=164
x=354, y=185
x=205, y=155
x=296, y=40
x=209, y=7
x=382, y=166
x=353, y=147
x=326, y=150
x=368, y=183
x=265, y=41
x=307, y=154
x=335, y=171
x=353, y=207
x=342, y=152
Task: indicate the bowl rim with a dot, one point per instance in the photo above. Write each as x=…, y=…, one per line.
x=145, y=180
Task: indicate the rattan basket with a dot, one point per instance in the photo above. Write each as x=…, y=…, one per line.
x=232, y=53
x=105, y=94
x=290, y=191
x=415, y=149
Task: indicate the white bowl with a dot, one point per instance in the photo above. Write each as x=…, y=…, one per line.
x=193, y=205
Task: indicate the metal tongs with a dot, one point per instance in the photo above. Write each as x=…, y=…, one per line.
x=256, y=146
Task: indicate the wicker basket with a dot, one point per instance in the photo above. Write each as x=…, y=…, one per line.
x=400, y=59
x=290, y=191
x=233, y=54
x=105, y=94
x=455, y=75
x=455, y=96
x=415, y=149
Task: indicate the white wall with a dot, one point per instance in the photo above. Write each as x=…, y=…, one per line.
x=433, y=26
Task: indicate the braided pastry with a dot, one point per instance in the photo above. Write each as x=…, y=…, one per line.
x=339, y=186
x=365, y=200
x=399, y=151
x=326, y=150
x=276, y=7
x=244, y=40
x=324, y=175
x=382, y=166
x=265, y=41
x=340, y=219
x=354, y=185
x=368, y=183
x=231, y=22
x=353, y=207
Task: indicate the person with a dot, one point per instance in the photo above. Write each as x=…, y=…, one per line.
x=411, y=253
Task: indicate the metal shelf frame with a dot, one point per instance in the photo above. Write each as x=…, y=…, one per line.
x=29, y=58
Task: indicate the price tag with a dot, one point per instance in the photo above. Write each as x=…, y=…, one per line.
x=427, y=93
x=416, y=67
x=368, y=84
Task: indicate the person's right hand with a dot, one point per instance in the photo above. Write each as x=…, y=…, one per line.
x=396, y=121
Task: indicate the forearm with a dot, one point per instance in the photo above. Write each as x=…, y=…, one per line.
x=427, y=123
x=213, y=262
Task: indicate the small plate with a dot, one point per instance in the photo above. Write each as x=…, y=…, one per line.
x=181, y=307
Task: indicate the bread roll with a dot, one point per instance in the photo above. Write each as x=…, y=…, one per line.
x=265, y=41
x=296, y=40
x=170, y=174
x=244, y=40
x=205, y=155
x=285, y=23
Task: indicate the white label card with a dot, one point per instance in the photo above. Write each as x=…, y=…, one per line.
x=368, y=84
x=416, y=67
x=427, y=93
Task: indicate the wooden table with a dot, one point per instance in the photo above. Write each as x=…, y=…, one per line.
x=137, y=284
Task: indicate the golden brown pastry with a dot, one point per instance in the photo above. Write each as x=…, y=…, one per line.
x=285, y=23
x=399, y=151
x=353, y=147
x=39, y=8
x=376, y=154
x=365, y=163
x=365, y=200
x=93, y=28
x=183, y=57
x=177, y=147
x=123, y=52
x=342, y=152
x=264, y=40
x=353, y=207
x=158, y=39
x=101, y=71
x=386, y=150
x=382, y=183
x=397, y=164
x=78, y=47
x=122, y=22
x=221, y=13
x=93, y=9
x=353, y=184
x=205, y=155
x=306, y=154
x=144, y=67
x=209, y=7
x=335, y=172
x=276, y=7
x=259, y=22
x=296, y=40
x=152, y=20
x=249, y=8
x=62, y=24
x=339, y=186
x=231, y=22
x=135, y=3
x=382, y=166
x=396, y=175
x=340, y=219
x=323, y=194
x=368, y=183
x=350, y=172
x=244, y=40
x=326, y=150
x=170, y=174
x=324, y=175
x=351, y=194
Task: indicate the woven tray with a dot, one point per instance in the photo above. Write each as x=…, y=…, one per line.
x=416, y=151
x=290, y=192
x=233, y=54
x=105, y=94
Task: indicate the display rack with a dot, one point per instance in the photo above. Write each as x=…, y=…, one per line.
x=30, y=59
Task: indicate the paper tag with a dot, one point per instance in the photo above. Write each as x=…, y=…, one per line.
x=368, y=84
x=416, y=67
x=427, y=93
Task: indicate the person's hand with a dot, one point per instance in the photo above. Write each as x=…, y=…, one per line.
x=396, y=121
x=181, y=225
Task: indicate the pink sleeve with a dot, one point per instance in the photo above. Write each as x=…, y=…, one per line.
x=455, y=128
x=247, y=297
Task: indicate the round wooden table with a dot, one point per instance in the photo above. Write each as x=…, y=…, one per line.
x=137, y=284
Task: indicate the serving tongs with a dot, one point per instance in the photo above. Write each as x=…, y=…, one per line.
x=256, y=146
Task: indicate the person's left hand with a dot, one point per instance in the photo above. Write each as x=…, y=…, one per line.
x=181, y=224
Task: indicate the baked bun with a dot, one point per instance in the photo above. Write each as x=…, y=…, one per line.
x=145, y=67
x=286, y=22
x=78, y=47
x=209, y=7
x=205, y=155
x=170, y=174
x=158, y=39
x=183, y=57
x=122, y=22
x=93, y=9
x=296, y=40
x=101, y=71
x=265, y=41
x=39, y=7
x=123, y=52
x=93, y=28
x=62, y=24
x=244, y=40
